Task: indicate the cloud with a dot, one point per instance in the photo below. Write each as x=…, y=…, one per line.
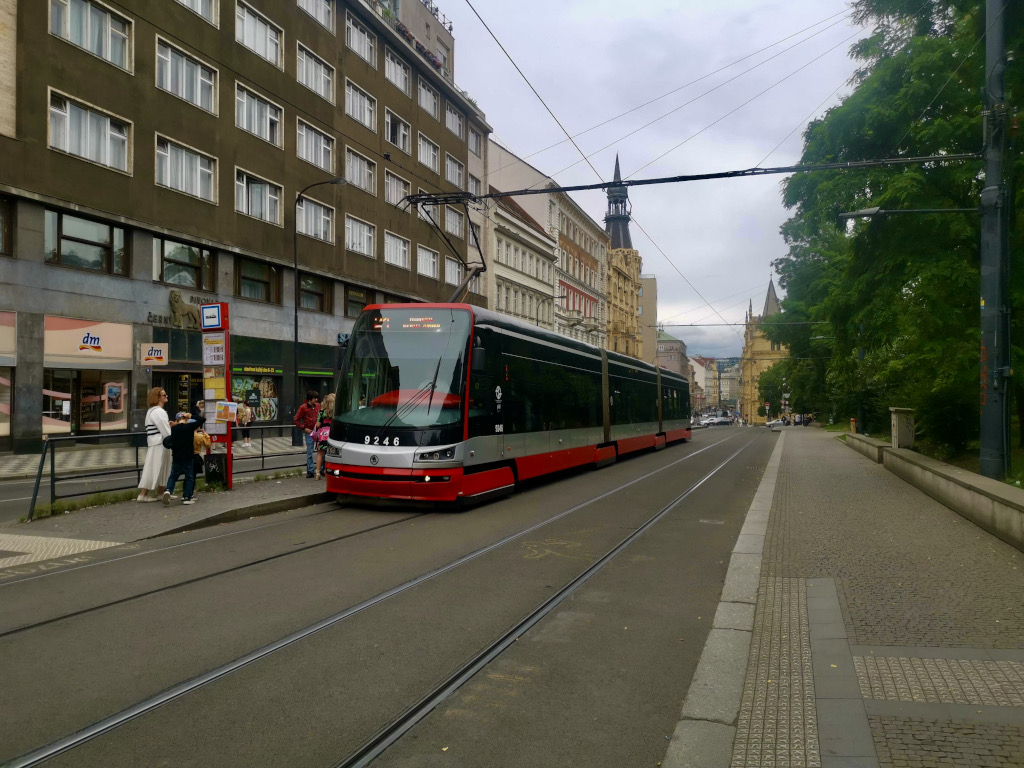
x=592, y=59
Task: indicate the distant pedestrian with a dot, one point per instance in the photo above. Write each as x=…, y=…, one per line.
x=158, y=458
x=200, y=443
x=322, y=432
x=305, y=419
x=182, y=457
x=244, y=418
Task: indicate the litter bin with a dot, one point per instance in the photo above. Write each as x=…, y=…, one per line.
x=298, y=438
x=215, y=468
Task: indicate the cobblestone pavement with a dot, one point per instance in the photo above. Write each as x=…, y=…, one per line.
x=913, y=742
x=929, y=620
x=84, y=459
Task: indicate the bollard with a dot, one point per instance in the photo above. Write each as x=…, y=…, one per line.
x=853, y=426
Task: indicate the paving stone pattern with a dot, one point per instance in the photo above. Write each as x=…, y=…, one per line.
x=776, y=725
x=909, y=571
x=910, y=742
x=941, y=681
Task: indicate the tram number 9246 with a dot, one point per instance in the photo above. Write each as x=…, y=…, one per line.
x=377, y=441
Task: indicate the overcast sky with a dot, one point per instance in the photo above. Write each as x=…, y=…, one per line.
x=593, y=59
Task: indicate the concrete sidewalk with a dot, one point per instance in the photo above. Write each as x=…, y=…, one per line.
x=115, y=524
x=888, y=630
x=84, y=458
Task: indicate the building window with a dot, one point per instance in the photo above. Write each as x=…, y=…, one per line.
x=359, y=236
x=454, y=171
x=396, y=71
x=259, y=34
x=475, y=142
x=88, y=134
x=426, y=262
x=355, y=300
x=257, y=115
x=474, y=185
x=315, y=293
x=315, y=147
x=360, y=106
x=205, y=8
x=185, y=77
x=74, y=242
x=179, y=264
x=184, y=170
x=444, y=55
x=257, y=197
x=430, y=100
x=91, y=26
x=321, y=10
x=454, y=222
x=452, y=271
x=361, y=171
x=453, y=120
x=6, y=227
x=396, y=250
x=397, y=131
x=315, y=73
x=258, y=281
x=396, y=189
x=430, y=154
x=315, y=220
x=360, y=39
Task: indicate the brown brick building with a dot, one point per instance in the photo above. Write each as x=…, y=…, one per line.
x=150, y=158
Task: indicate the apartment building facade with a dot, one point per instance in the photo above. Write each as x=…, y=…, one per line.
x=523, y=268
x=581, y=309
x=151, y=158
x=647, y=316
x=624, y=268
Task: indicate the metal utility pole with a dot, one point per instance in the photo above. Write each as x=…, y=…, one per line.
x=995, y=311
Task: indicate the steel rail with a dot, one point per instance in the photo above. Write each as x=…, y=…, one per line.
x=214, y=574
x=401, y=725
x=67, y=743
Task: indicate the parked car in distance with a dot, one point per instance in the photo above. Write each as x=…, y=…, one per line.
x=776, y=423
x=721, y=421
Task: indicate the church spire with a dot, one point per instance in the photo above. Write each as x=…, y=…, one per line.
x=617, y=218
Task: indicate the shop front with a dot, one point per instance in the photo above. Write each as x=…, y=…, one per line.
x=8, y=363
x=259, y=386
x=87, y=368
x=182, y=377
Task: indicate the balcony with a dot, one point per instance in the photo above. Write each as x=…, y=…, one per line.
x=383, y=10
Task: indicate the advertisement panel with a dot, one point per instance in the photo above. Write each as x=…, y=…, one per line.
x=8, y=338
x=86, y=344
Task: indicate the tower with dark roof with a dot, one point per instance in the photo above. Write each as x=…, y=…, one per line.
x=617, y=219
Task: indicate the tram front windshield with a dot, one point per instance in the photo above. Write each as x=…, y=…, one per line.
x=405, y=369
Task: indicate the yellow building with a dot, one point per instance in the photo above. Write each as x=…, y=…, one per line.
x=623, y=277
x=759, y=354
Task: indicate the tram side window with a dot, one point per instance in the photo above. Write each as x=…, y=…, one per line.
x=634, y=400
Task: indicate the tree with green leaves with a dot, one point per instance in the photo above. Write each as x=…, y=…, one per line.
x=890, y=304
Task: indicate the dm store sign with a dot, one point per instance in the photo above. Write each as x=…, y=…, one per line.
x=86, y=344
x=152, y=355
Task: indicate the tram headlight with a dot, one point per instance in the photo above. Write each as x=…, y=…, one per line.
x=333, y=450
x=441, y=454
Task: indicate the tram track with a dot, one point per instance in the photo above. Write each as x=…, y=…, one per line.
x=407, y=720
x=183, y=688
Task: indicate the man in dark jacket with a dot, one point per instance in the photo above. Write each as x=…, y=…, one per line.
x=183, y=432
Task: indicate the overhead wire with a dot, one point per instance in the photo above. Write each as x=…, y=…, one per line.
x=844, y=14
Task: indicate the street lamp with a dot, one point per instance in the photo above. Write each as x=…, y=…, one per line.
x=548, y=298
x=295, y=264
x=867, y=213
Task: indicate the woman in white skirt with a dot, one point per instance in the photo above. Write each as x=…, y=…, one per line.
x=157, y=468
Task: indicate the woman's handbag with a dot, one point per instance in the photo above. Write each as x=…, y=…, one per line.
x=197, y=464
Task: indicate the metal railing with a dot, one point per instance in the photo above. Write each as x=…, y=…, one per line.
x=137, y=441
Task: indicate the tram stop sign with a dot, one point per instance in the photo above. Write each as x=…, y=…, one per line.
x=767, y=404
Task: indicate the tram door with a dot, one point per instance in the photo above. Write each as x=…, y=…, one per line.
x=487, y=398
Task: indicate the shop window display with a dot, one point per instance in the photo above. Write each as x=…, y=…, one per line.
x=265, y=388
x=6, y=400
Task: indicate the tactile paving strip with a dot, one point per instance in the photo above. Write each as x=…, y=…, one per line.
x=941, y=681
x=777, y=724
x=32, y=549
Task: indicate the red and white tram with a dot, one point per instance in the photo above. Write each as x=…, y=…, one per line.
x=450, y=402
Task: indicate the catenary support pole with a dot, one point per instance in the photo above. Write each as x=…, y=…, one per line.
x=995, y=327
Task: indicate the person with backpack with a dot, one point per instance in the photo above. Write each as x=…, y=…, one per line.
x=158, y=458
x=182, y=441
x=322, y=432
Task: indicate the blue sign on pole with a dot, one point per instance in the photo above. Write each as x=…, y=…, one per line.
x=210, y=314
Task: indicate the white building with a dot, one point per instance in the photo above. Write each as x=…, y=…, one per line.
x=523, y=267
x=581, y=305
